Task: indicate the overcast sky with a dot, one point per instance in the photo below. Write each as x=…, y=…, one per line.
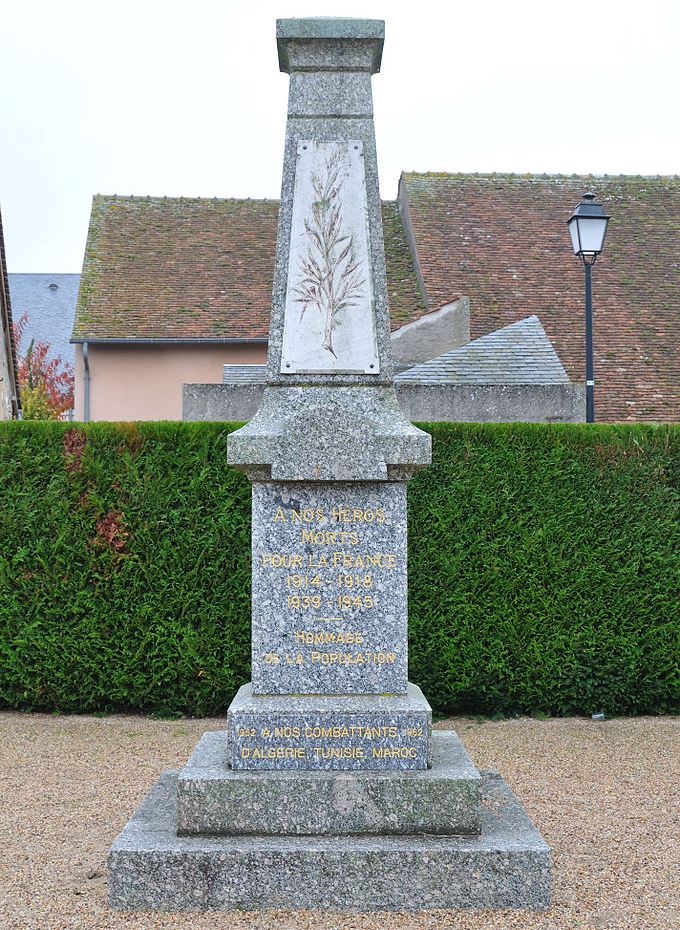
x=185, y=98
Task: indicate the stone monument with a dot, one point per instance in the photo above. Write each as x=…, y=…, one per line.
x=329, y=788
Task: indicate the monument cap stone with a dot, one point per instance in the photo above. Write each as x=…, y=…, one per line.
x=321, y=434
x=299, y=48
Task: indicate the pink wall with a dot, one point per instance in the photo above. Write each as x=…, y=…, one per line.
x=145, y=382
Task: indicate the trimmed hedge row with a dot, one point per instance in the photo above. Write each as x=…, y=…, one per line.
x=544, y=568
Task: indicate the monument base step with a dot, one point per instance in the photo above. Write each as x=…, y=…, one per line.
x=507, y=866
x=214, y=799
x=329, y=731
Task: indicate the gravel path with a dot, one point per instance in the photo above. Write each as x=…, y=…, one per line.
x=606, y=797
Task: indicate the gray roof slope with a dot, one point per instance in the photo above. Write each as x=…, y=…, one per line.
x=50, y=309
x=244, y=374
x=517, y=354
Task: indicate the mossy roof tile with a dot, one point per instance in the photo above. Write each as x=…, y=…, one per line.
x=178, y=268
x=502, y=241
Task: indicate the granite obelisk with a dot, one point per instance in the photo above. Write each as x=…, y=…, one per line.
x=329, y=789
x=329, y=452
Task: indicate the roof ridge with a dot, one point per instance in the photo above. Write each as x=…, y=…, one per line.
x=529, y=175
x=162, y=198
x=154, y=198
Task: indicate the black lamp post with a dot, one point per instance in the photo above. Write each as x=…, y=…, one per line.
x=587, y=227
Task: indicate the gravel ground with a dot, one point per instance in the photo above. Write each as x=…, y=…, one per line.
x=606, y=797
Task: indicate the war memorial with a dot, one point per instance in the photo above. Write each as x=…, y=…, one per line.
x=329, y=789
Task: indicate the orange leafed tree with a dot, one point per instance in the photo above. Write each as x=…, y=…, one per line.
x=46, y=383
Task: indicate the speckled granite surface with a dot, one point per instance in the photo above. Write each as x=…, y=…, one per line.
x=335, y=433
x=330, y=731
x=507, y=866
x=329, y=588
x=213, y=799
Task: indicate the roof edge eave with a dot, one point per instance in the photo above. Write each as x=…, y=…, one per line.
x=168, y=340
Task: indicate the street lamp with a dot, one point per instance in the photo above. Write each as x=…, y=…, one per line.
x=587, y=227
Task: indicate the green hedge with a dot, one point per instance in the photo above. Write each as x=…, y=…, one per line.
x=543, y=568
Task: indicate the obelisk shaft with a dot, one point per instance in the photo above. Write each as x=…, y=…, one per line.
x=330, y=159
x=329, y=451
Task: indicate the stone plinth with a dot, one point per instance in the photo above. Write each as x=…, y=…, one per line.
x=342, y=732
x=506, y=866
x=215, y=799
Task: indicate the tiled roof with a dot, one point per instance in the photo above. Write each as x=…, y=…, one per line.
x=176, y=268
x=244, y=374
x=517, y=354
x=502, y=240
x=50, y=301
x=405, y=299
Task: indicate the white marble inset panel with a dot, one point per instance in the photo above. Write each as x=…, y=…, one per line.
x=329, y=321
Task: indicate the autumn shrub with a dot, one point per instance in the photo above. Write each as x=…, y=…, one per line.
x=35, y=403
x=46, y=381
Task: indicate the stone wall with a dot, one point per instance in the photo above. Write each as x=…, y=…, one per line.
x=432, y=334
x=493, y=403
x=496, y=403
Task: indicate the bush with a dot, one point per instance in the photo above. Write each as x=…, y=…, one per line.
x=124, y=567
x=543, y=568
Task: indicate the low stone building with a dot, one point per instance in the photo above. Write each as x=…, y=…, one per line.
x=9, y=385
x=512, y=374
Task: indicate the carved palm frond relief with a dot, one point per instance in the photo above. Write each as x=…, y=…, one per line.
x=331, y=279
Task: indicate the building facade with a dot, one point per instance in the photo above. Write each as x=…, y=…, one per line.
x=173, y=289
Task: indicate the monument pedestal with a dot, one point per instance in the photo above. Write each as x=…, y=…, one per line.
x=214, y=799
x=329, y=840
x=334, y=834
x=330, y=731
x=329, y=789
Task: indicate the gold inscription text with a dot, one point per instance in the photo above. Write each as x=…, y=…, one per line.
x=394, y=752
x=357, y=658
x=323, y=637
